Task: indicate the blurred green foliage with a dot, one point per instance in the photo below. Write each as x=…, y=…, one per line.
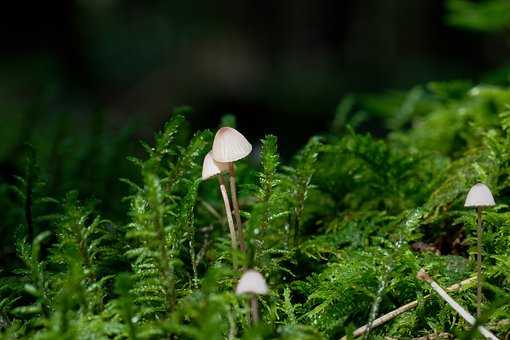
x=484, y=16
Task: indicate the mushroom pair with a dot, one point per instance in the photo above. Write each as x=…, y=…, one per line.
x=252, y=283
x=229, y=146
x=479, y=197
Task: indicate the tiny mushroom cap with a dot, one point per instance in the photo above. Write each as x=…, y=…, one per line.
x=252, y=282
x=212, y=168
x=479, y=196
x=230, y=145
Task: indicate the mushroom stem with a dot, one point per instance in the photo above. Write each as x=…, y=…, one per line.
x=422, y=275
x=479, y=262
x=228, y=211
x=235, y=203
x=254, y=309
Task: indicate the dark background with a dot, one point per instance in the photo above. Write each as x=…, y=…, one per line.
x=82, y=81
x=280, y=66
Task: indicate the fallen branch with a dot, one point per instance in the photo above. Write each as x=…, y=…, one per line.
x=422, y=275
x=393, y=314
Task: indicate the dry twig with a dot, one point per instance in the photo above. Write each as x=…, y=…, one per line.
x=394, y=313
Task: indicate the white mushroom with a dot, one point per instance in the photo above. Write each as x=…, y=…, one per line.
x=479, y=196
x=229, y=146
x=252, y=283
x=211, y=168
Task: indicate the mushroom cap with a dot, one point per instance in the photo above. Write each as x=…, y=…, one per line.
x=212, y=168
x=479, y=196
x=252, y=282
x=230, y=145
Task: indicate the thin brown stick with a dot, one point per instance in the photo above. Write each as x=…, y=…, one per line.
x=402, y=309
x=235, y=203
x=211, y=209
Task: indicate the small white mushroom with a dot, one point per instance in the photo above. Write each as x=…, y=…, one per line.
x=211, y=168
x=252, y=283
x=479, y=197
x=229, y=146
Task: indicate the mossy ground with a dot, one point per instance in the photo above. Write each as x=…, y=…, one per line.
x=339, y=231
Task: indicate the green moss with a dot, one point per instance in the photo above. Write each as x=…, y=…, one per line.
x=339, y=231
